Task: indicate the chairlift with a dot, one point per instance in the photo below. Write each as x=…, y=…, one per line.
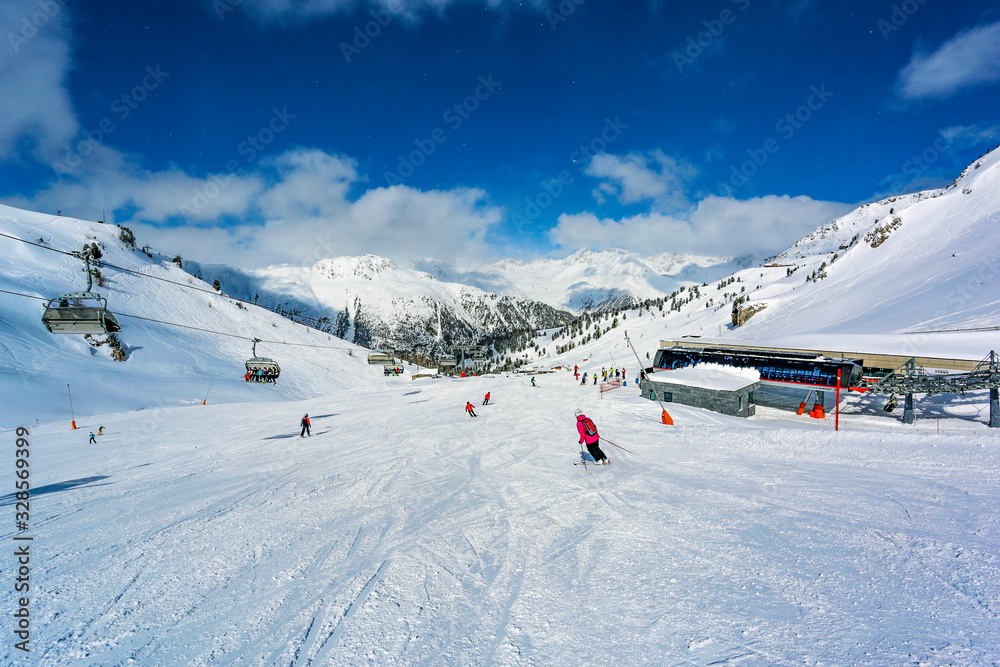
x=80, y=312
x=380, y=357
x=448, y=360
x=479, y=355
x=269, y=369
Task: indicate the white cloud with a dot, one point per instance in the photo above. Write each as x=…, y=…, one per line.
x=312, y=183
x=297, y=209
x=982, y=135
x=637, y=177
x=971, y=58
x=109, y=180
x=716, y=226
x=34, y=62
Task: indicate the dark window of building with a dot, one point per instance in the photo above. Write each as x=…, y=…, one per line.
x=668, y=397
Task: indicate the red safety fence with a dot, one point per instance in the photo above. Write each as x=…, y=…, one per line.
x=608, y=386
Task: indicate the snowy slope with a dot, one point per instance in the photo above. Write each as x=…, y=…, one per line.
x=935, y=265
x=404, y=533
x=166, y=365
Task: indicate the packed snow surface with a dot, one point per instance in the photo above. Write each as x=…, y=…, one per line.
x=403, y=532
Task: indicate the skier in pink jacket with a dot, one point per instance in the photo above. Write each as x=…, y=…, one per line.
x=590, y=436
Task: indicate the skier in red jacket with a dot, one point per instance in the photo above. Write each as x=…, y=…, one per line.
x=486, y=401
x=470, y=409
x=589, y=435
x=305, y=426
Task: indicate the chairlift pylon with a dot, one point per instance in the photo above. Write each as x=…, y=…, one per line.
x=80, y=312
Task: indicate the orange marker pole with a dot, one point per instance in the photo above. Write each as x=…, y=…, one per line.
x=72, y=417
x=209, y=389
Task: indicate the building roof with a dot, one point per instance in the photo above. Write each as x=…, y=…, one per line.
x=710, y=376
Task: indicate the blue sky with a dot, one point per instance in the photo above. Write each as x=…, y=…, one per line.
x=264, y=131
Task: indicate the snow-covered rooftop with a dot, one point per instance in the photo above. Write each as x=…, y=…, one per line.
x=710, y=376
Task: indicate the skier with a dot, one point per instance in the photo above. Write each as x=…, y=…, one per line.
x=595, y=378
x=584, y=380
x=576, y=370
x=590, y=436
x=533, y=382
x=486, y=400
x=100, y=431
x=470, y=409
x=305, y=426
x=93, y=440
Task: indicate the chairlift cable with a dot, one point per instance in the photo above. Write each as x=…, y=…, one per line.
x=173, y=282
x=38, y=245
x=122, y=268
x=29, y=296
x=186, y=326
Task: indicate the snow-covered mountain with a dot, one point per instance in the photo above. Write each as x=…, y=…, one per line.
x=592, y=281
x=913, y=274
x=374, y=302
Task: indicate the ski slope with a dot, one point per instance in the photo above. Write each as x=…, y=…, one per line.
x=167, y=365
x=405, y=533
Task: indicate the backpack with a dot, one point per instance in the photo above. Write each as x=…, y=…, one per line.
x=589, y=428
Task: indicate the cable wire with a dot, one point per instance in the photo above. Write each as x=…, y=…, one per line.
x=38, y=245
x=188, y=286
x=30, y=296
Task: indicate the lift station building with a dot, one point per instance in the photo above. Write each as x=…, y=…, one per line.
x=722, y=389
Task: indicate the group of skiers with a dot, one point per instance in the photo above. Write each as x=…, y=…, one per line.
x=261, y=375
x=471, y=409
x=606, y=374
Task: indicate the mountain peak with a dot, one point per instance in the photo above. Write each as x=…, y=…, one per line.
x=362, y=266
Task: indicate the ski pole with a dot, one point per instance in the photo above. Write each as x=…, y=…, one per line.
x=618, y=446
x=583, y=456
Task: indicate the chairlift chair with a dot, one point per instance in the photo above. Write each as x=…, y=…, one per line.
x=79, y=313
x=448, y=360
x=479, y=356
x=262, y=364
x=380, y=357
